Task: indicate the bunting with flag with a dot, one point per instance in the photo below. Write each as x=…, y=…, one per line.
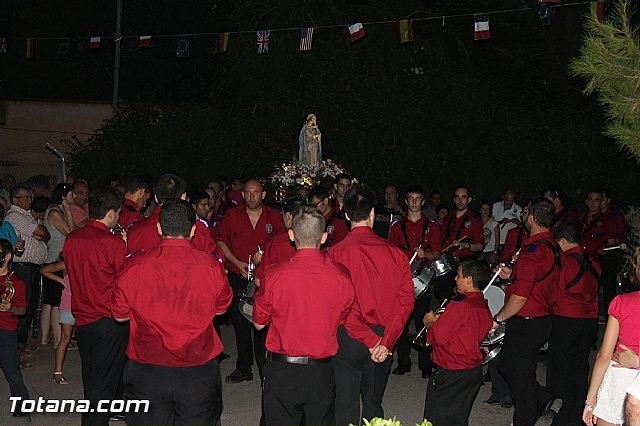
x=481, y=28
x=405, y=31
x=221, y=42
x=262, y=37
x=63, y=51
x=599, y=10
x=183, y=45
x=145, y=41
x=94, y=42
x=356, y=31
x=3, y=45
x=306, y=37
x=31, y=47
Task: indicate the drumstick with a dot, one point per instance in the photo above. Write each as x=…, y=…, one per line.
x=453, y=245
x=415, y=253
x=495, y=277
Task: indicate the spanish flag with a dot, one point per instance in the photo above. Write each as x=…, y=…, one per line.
x=481, y=28
x=221, y=42
x=405, y=31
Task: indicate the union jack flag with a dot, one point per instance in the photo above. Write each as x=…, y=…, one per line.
x=306, y=37
x=263, y=41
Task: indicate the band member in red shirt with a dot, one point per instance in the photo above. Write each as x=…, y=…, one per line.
x=415, y=234
x=136, y=193
x=528, y=306
x=340, y=188
x=384, y=300
x=574, y=325
x=336, y=226
x=560, y=200
x=308, y=292
x=464, y=234
x=9, y=312
x=94, y=257
x=170, y=293
x=455, y=336
x=245, y=230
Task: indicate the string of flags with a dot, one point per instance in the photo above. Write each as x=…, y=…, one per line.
x=404, y=32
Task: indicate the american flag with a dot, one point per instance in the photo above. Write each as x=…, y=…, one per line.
x=263, y=41
x=306, y=37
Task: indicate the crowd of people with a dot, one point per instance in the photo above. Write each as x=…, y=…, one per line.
x=143, y=273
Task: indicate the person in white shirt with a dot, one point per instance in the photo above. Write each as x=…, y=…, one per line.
x=507, y=213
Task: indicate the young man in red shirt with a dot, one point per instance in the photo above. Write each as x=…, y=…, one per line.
x=136, y=193
x=308, y=292
x=170, y=294
x=9, y=312
x=384, y=291
x=94, y=257
x=455, y=336
x=336, y=226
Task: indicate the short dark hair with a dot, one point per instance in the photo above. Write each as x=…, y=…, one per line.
x=60, y=192
x=170, y=187
x=293, y=204
x=606, y=193
x=392, y=185
x=39, y=204
x=5, y=247
x=463, y=187
x=135, y=183
x=319, y=192
x=176, y=219
x=308, y=226
x=358, y=202
x=594, y=191
x=16, y=190
x=543, y=211
x=557, y=192
x=435, y=192
x=570, y=231
x=416, y=189
x=102, y=200
x=198, y=195
x=343, y=175
x=478, y=270
x=441, y=207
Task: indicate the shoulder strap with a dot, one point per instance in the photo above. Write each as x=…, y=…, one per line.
x=585, y=265
x=403, y=228
x=520, y=238
x=556, y=258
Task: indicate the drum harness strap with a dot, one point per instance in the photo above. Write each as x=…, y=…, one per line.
x=585, y=265
x=520, y=237
x=459, y=230
x=587, y=228
x=556, y=258
x=403, y=227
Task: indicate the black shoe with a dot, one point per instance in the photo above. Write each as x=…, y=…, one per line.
x=23, y=415
x=507, y=404
x=222, y=357
x=117, y=418
x=492, y=401
x=238, y=376
x=400, y=370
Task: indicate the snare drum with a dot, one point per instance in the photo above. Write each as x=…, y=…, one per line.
x=445, y=264
x=421, y=282
x=495, y=338
x=490, y=352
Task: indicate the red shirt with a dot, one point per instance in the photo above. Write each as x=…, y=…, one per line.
x=171, y=292
x=581, y=299
x=619, y=222
x=535, y=261
x=596, y=232
x=93, y=256
x=626, y=309
x=305, y=299
x=565, y=215
x=242, y=239
x=8, y=320
x=513, y=242
x=280, y=249
x=382, y=280
x=336, y=229
x=454, y=228
x=423, y=232
x=129, y=214
x=143, y=235
x=456, y=335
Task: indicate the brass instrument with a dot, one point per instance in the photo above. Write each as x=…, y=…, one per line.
x=420, y=339
x=9, y=290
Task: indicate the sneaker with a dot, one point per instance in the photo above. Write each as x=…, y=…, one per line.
x=554, y=406
x=492, y=401
x=238, y=376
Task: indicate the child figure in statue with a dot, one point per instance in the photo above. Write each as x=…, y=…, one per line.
x=310, y=150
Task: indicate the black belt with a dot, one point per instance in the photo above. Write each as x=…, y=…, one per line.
x=303, y=360
x=31, y=265
x=529, y=318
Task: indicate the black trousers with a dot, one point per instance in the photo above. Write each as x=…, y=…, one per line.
x=499, y=386
x=358, y=377
x=102, y=345
x=518, y=363
x=450, y=396
x=248, y=339
x=403, y=347
x=607, y=282
x=177, y=395
x=568, y=365
x=30, y=274
x=294, y=394
x=10, y=363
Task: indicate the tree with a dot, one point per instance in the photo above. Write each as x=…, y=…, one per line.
x=610, y=62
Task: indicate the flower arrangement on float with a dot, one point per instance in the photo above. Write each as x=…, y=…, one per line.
x=297, y=173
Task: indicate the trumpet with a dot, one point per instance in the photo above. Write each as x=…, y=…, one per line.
x=9, y=290
x=420, y=339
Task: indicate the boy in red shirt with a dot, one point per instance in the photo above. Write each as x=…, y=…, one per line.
x=455, y=337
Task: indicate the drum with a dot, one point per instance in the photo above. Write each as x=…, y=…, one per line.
x=445, y=264
x=421, y=282
x=495, y=338
x=490, y=352
x=246, y=302
x=494, y=296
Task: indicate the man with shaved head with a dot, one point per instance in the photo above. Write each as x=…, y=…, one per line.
x=246, y=230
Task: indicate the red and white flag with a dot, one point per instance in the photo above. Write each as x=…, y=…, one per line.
x=356, y=31
x=481, y=28
x=145, y=41
x=94, y=42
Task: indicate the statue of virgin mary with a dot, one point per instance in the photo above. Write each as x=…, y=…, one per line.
x=310, y=145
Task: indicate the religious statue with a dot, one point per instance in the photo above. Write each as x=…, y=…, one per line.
x=310, y=150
